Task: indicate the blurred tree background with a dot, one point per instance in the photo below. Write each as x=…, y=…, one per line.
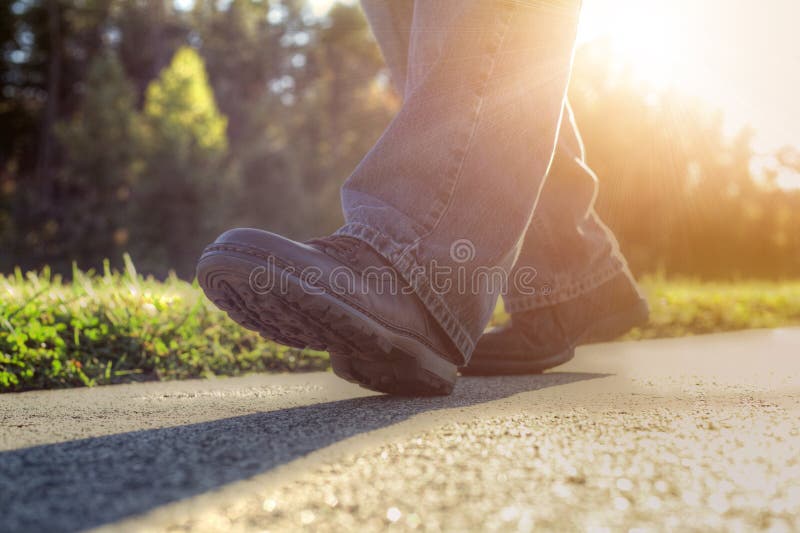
x=139, y=126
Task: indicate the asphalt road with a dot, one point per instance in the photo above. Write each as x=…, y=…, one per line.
x=690, y=434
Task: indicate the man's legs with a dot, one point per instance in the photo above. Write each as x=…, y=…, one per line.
x=390, y=22
x=568, y=247
x=567, y=244
x=443, y=199
x=449, y=189
x=584, y=291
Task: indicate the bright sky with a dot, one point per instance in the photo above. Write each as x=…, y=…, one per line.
x=742, y=56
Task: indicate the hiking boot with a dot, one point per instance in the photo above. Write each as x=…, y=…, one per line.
x=334, y=294
x=536, y=340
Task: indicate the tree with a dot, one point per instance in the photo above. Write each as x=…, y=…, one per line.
x=97, y=176
x=177, y=199
x=170, y=154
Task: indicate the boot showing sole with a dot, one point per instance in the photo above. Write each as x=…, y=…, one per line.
x=362, y=349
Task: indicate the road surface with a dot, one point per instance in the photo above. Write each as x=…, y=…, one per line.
x=698, y=434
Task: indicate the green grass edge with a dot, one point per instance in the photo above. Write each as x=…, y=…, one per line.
x=118, y=326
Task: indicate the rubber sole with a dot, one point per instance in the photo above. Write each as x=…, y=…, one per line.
x=506, y=367
x=361, y=349
x=605, y=329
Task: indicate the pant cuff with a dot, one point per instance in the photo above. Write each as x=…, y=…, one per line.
x=416, y=276
x=609, y=270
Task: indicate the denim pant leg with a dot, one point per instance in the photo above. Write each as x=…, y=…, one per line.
x=390, y=22
x=449, y=189
x=567, y=245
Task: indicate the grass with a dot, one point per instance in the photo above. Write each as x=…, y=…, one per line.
x=119, y=327
x=682, y=307
x=115, y=327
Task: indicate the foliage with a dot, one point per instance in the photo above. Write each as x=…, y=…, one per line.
x=299, y=97
x=117, y=327
x=252, y=113
x=97, y=177
x=180, y=109
x=183, y=145
x=682, y=196
x=685, y=306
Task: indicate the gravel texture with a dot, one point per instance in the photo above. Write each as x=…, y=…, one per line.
x=690, y=434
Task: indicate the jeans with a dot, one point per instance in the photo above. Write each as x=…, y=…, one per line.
x=454, y=194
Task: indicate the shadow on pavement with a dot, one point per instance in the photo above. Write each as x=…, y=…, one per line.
x=90, y=482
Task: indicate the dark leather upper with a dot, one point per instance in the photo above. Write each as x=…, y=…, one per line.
x=540, y=333
x=351, y=271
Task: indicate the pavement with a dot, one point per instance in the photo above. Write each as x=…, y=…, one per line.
x=697, y=434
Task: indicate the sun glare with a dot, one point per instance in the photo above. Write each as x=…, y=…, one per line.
x=740, y=56
x=643, y=35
